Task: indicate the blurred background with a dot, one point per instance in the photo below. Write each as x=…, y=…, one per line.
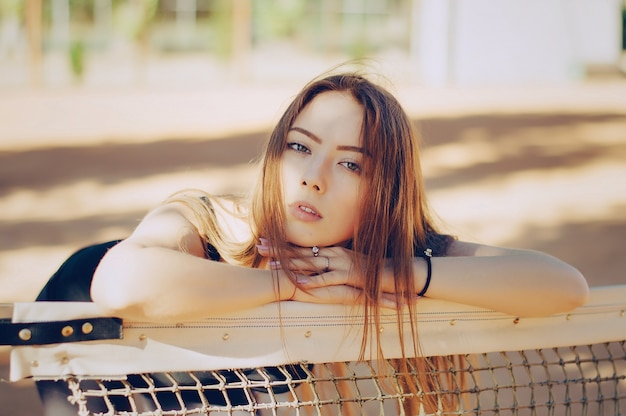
x=125, y=43
x=108, y=106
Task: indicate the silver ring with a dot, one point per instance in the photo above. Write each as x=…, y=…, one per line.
x=315, y=250
x=327, y=268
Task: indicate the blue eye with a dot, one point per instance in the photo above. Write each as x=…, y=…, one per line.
x=298, y=147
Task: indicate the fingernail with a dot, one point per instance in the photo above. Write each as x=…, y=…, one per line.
x=264, y=241
x=274, y=264
x=262, y=247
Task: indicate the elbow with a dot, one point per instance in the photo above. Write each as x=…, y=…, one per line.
x=111, y=298
x=564, y=290
x=578, y=291
x=118, y=290
x=573, y=291
x=111, y=291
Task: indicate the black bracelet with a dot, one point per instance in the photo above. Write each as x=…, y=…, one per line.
x=428, y=253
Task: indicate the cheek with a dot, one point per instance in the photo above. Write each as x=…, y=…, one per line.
x=286, y=175
x=288, y=170
x=352, y=206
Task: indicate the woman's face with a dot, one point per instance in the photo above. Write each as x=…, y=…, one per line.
x=321, y=171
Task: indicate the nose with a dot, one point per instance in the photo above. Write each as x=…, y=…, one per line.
x=314, y=176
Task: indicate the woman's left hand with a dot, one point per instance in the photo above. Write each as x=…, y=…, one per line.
x=328, y=275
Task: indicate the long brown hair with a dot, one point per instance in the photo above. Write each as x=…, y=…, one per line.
x=397, y=225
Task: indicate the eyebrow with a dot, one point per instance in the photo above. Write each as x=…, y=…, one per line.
x=318, y=140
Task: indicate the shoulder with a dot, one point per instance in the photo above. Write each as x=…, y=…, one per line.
x=209, y=213
x=232, y=215
x=167, y=226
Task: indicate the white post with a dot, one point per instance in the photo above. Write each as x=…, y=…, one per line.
x=431, y=41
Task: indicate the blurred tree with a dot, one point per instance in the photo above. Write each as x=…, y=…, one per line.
x=241, y=37
x=33, y=28
x=77, y=58
x=222, y=28
x=134, y=18
x=275, y=19
x=11, y=12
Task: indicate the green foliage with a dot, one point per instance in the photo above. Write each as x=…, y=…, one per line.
x=135, y=18
x=77, y=58
x=279, y=18
x=222, y=24
x=10, y=7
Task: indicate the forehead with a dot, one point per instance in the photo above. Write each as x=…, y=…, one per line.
x=332, y=114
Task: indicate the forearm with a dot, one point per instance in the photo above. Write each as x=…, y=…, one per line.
x=522, y=283
x=160, y=284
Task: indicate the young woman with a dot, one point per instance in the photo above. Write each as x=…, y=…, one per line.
x=339, y=215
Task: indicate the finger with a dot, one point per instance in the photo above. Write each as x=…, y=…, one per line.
x=341, y=294
x=321, y=280
x=290, y=266
x=264, y=250
x=317, y=265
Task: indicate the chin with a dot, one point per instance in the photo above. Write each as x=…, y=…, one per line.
x=306, y=238
x=317, y=241
x=305, y=242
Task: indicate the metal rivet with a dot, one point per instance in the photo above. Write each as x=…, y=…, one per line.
x=65, y=360
x=381, y=329
x=25, y=334
x=621, y=313
x=87, y=328
x=568, y=317
x=453, y=322
x=516, y=321
x=34, y=363
x=307, y=334
x=225, y=337
x=142, y=337
x=67, y=331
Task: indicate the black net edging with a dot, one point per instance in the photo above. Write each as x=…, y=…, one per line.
x=576, y=380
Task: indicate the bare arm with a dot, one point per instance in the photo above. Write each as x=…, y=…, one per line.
x=518, y=282
x=159, y=273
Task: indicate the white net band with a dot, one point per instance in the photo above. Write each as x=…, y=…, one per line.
x=305, y=361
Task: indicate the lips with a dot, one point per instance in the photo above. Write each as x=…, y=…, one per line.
x=304, y=211
x=307, y=209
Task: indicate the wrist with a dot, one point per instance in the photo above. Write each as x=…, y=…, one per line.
x=428, y=275
x=286, y=287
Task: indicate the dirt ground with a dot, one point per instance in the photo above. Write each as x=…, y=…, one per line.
x=551, y=179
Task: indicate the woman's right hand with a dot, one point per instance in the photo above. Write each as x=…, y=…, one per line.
x=328, y=277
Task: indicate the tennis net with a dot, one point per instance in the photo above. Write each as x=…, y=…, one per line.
x=304, y=361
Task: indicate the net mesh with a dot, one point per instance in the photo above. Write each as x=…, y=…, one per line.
x=574, y=380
